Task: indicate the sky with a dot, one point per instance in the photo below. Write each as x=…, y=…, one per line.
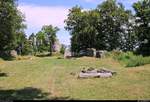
x=54, y=12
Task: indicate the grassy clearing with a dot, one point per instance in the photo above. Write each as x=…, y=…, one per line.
x=49, y=78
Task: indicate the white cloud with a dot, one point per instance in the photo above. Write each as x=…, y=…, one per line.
x=37, y=16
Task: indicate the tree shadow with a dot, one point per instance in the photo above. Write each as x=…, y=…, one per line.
x=3, y=74
x=62, y=98
x=27, y=93
x=42, y=55
x=7, y=58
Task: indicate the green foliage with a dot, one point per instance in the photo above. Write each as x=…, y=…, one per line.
x=32, y=39
x=138, y=61
x=11, y=22
x=80, y=23
x=45, y=39
x=20, y=42
x=50, y=33
x=12, y=34
x=132, y=60
x=41, y=42
x=62, y=50
x=142, y=10
x=125, y=57
x=101, y=28
x=27, y=49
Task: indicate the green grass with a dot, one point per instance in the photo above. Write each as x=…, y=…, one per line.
x=131, y=60
x=49, y=78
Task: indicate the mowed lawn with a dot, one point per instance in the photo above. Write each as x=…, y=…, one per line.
x=50, y=78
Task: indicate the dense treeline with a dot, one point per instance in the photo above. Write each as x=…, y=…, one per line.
x=142, y=9
x=107, y=27
x=110, y=26
x=42, y=41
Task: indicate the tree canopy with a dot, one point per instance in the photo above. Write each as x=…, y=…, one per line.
x=106, y=27
x=142, y=10
x=11, y=24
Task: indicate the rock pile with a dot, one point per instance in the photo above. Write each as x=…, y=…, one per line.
x=96, y=73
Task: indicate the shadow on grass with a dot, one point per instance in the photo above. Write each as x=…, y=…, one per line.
x=3, y=74
x=62, y=98
x=27, y=93
x=43, y=55
x=7, y=58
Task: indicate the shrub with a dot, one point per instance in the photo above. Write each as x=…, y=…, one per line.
x=60, y=57
x=135, y=61
x=124, y=56
x=131, y=60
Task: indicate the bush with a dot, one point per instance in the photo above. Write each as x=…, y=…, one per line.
x=60, y=57
x=124, y=56
x=131, y=60
x=135, y=61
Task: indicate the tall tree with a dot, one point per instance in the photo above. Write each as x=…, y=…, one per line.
x=50, y=33
x=129, y=38
x=104, y=28
x=112, y=17
x=32, y=39
x=11, y=22
x=73, y=26
x=81, y=26
x=20, y=40
x=41, y=42
x=142, y=10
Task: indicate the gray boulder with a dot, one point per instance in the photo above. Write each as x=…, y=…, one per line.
x=13, y=53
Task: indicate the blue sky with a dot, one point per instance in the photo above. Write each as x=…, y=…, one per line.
x=46, y=12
